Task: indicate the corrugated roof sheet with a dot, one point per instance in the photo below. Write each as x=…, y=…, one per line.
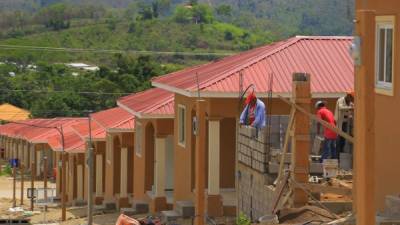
x=82, y=129
x=45, y=132
x=73, y=143
x=114, y=118
x=327, y=59
x=10, y=112
x=155, y=101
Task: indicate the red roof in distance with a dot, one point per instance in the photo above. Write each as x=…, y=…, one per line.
x=114, y=119
x=152, y=103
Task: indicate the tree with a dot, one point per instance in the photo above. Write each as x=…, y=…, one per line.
x=55, y=16
x=183, y=14
x=224, y=10
x=203, y=13
x=145, y=11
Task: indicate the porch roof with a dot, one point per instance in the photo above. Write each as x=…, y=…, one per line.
x=82, y=129
x=114, y=118
x=326, y=58
x=152, y=103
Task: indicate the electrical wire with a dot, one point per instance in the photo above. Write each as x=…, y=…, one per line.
x=110, y=51
x=55, y=91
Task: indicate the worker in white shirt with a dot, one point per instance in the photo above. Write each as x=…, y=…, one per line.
x=343, y=113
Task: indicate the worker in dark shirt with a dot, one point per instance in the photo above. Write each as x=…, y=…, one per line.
x=330, y=137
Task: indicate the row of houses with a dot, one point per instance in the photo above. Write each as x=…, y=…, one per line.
x=145, y=148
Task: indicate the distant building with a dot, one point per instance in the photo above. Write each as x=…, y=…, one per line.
x=83, y=66
x=9, y=112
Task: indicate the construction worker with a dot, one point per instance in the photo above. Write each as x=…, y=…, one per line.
x=330, y=137
x=343, y=115
x=254, y=112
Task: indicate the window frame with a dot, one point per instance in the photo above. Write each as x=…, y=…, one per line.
x=384, y=22
x=138, y=138
x=182, y=125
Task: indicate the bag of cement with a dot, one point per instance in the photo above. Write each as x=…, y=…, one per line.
x=316, y=149
x=268, y=220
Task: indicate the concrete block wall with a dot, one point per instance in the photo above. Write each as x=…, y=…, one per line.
x=253, y=148
x=254, y=195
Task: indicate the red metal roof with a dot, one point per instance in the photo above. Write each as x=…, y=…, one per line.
x=114, y=118
x=82, y=129
x=327, y=59
x=73, y=143
x=154, y=102
x=45, y=132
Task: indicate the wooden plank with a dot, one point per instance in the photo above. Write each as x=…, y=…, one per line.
x=286, y=143
x=328, y=189
x=322, y=122
x=279, y=192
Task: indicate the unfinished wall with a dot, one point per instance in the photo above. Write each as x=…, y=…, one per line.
x=254, y=195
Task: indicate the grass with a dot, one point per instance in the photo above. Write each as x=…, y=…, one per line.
x=6, y=171
x=151, y=35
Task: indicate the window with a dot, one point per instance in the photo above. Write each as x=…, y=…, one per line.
x=138, y=139
x=181, y=124
x=384, y=53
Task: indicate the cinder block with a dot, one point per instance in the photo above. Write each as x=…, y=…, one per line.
x=392, y=205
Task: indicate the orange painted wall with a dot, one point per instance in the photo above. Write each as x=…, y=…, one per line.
x=144, y=163
x=387, y=111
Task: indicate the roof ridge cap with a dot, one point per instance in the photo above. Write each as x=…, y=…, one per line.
x=255, y=59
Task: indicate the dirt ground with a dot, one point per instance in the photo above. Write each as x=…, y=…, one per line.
x=75, y=215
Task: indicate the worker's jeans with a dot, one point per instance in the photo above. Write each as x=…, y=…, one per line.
x=329, y=149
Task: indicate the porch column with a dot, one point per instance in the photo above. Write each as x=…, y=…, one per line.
x=20, y=149
x=124, y=173
x=123, y=191
x=70, y=178
x=79, y=173
x=26, y=155
x=159, y=201
x=99, y=178
x=58, y=175
x=38, y=159
x=214, y=199
x=109, y=185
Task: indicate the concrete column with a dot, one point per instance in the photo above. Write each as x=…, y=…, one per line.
x=109, y=158
x=80, y=182
x=124, y=173
x=99, y=175
x=159, y=167
x=200, y=158
x=213, y=157
x=85, y=182
x=38, y=160
x=58, y=176
x=26, y=155
x=214, y=199
x=20, y=151
x=301, y=95
x=70, y=180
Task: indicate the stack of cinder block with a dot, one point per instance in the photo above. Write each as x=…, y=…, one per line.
x=253, y=148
